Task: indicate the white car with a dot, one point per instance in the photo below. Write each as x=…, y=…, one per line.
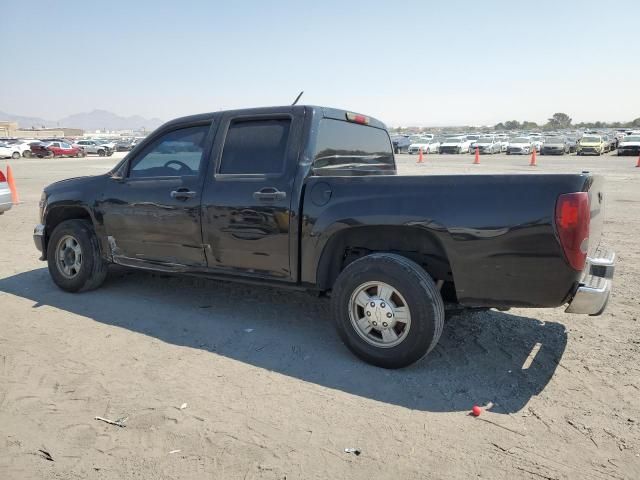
x=520, y=146
x=427, y=145
x=629, y=145
x=488, y=144
x=24, y=147
x=458, y=144
x=9, y=151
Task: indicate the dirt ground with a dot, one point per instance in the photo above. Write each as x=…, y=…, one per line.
x=226, y=381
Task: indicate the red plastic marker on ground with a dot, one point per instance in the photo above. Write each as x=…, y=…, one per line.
x=476, y=411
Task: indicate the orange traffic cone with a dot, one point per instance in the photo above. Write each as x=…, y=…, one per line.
x=12, y=186
x=638, y=164
x=476, y=161
x=420, y=157
x=533, y=158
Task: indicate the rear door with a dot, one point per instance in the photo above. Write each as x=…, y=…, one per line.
x=247, y=200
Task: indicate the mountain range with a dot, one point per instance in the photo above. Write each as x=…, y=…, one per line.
x=95, y=120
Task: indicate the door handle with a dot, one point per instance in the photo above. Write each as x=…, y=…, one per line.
x=269, y=194
x=182, y=194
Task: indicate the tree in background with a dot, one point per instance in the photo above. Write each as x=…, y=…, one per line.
x=559, y=121
x=636, y=122
x=512, y=125
x=529, y=125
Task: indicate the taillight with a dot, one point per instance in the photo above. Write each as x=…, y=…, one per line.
x=357, y=118
x=572, y=222
x=2, y=177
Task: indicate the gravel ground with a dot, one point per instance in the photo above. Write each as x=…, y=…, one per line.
x=228, y=381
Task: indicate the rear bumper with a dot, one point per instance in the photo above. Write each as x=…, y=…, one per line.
x=593, y=292
x=5, y=199
x=38, y=239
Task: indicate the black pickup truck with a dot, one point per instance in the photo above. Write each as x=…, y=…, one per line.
x=308, y=198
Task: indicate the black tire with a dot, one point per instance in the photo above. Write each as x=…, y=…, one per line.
x=101, y=153
x=50, y=154
x=15, y=155
x=82, y=153
x=93, y=269
x=26, y=154
x=422, y=298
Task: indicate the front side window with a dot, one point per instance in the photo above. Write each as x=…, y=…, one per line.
x=345, y=145
x=255, y=146
x=174, y=154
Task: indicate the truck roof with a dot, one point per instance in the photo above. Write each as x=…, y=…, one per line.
x=325, y=112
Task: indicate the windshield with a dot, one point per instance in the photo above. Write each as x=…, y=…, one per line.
x=520, y=140
x=590, y=139
x=473, y=137
x=632, y=138
x=485, y=140
x=452, y=140
x=552, y=140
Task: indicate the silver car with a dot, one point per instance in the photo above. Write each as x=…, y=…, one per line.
x=95, y=146
x=5, y=194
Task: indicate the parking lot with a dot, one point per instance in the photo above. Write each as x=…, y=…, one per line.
x=218, y=380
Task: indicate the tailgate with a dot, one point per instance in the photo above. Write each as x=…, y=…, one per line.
x=595, y=189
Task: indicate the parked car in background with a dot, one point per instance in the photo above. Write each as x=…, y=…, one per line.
x=124, y=145
x=592, y=145
x=459, y=144
x=573, y=143
x=555, y=146
x=400, y=143
x=107, y=142
x=56, y=149
x=612, y=142
x=5, y=194
x=629, y=145
x=520, y=146
x=486, y=145
x=9, y=151
x=537, y=141
x=95, y=147
x=427, y=145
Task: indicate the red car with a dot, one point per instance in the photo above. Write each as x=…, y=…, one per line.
x=56, y=149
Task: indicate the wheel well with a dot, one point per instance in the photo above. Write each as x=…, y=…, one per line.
x=411, y=242
x=58, y=215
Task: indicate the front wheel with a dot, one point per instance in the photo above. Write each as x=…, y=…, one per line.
x=73, y=257
x=15, y=155
x=387, y=310
x=26, y=154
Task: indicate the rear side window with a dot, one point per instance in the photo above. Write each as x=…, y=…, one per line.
x=345, y=145
x=255, y=146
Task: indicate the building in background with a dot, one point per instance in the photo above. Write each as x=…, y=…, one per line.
x=12, y=130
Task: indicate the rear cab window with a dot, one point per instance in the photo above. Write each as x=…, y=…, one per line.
x=347, y=148
x=255, y=147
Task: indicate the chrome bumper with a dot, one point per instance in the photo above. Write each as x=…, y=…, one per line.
x=593, y=292
x=38, y=239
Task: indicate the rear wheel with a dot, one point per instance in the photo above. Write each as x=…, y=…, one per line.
x=387, y=310
x=73, y=257
x=50, y=154
x=26, y=154
x=101, y=153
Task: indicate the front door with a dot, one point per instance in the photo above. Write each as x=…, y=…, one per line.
x=152, y=214
x=247, y=200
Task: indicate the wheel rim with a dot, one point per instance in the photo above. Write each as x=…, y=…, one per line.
x=379, y=314
x=68, y=256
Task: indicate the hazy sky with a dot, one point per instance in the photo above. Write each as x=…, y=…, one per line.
x=412, y=62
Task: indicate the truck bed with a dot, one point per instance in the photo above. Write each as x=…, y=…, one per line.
x=496, y=232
